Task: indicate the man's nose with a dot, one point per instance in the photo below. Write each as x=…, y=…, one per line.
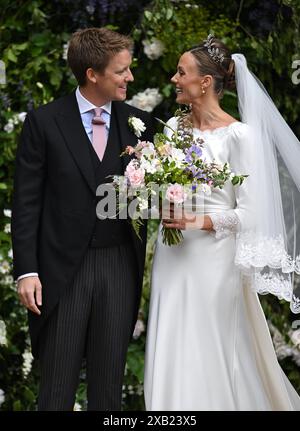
x=129, y=77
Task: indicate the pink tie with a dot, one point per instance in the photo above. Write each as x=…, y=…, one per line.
x=99, y=133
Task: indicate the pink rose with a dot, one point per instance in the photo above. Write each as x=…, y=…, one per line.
x=135, y=174
x=142, y=144
x=129, y=150
x=175, y=193
x=139, y=147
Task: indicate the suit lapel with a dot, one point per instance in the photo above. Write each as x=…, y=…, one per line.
x=70, y=124
x=71, y=127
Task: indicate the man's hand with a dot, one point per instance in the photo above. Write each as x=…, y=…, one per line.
x=30, y=293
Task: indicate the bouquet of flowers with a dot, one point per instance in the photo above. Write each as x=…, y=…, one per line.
x=169, y=169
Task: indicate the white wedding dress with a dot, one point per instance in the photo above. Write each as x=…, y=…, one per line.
x=208, y=344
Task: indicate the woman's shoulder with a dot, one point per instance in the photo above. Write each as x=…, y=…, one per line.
x=240, y=130
x=172, y=122
x=171, y=125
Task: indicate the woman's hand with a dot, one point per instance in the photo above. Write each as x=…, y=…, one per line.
x=177, y=218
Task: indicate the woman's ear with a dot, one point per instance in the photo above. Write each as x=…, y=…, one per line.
x=206, y=81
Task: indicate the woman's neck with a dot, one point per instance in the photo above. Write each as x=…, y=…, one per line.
x=208, y=115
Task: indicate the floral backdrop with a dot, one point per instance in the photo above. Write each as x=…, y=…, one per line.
x=33, y=71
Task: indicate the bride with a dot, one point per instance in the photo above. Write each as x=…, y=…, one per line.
x=208, y=343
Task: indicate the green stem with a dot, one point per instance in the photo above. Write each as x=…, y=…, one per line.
x=171, y=236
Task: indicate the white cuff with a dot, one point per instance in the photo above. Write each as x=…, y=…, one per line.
x=29, y=274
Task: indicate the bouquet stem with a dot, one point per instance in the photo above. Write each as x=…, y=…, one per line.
x=171, y=236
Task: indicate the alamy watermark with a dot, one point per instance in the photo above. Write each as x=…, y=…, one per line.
x=124, y=203
x=296, y=74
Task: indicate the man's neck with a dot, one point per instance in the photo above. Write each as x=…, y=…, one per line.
x=90, y=95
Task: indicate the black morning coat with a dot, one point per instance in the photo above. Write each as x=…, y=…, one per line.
x=54, y=204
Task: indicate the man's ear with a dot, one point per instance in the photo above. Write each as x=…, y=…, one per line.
x=91, y=75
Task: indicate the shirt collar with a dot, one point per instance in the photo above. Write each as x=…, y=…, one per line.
x=85, y=105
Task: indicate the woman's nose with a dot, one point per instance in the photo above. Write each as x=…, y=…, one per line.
x=174, y=79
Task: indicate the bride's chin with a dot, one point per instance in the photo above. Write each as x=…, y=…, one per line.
x=181, y=100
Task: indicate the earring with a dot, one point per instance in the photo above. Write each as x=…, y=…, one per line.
x=203, y=91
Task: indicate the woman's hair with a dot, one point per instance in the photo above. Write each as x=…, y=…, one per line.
x=214, y=58
x=94, y=47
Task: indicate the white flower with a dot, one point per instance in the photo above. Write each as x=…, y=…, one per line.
x=205, y=189
x=22, y=116
x=153, y=48
x=143, y=204
x=90, y=8
x=4, y=267
x=9, y=127
x=146, y=100
x=2, y=397
x=139, y=328
x=139, y=390
x=149, y=150
x=137, y=125
x=177, y=156
x=150, y=165
x=27, y=363
x=7, y=228
x=3, y=339
x=77, y=407
x=14, y=121
x=10, y=253
x=7, y=213
x=130, y=390
x=65, y=51
x=8, y=279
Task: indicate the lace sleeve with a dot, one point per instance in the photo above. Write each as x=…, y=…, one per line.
x=225, y=223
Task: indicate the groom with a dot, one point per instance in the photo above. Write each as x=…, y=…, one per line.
x=80, y=277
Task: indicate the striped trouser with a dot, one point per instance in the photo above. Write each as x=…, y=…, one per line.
x=95, y=318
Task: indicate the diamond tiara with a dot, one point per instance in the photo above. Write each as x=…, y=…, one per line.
x=214, y=53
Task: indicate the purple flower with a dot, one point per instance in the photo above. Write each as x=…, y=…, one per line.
x=193, y=152
x=188, y=158
x=196, y=149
